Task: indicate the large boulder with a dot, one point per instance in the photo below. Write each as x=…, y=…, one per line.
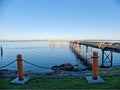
x=65, y=67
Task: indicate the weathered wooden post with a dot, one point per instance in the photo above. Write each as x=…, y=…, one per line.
x=52, y=44
x=111, y=58
x=95, y=66
x=86, y=52
x=19, y=66
x=1, y=49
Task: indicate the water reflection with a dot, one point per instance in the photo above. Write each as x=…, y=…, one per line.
x=54, y=44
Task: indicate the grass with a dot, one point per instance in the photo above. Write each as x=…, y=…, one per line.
x=111, y=82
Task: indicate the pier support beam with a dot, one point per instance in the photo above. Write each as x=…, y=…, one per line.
x=107, y=58
x=86, y=52
x=1, y=49
x=78, y=49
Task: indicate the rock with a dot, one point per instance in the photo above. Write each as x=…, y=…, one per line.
x=55, y=67
x=49, y=73
x=65, y=67
x=27, y=73
x=81, y=69
x=8, y=73
x=77, y=70
x=58, y=71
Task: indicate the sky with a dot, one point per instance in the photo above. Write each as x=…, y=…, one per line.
x=59, y=19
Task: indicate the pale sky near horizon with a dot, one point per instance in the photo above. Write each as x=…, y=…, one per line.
x=59, y=19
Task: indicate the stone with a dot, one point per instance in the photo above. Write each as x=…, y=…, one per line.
x=65, y=67
x=8, y=73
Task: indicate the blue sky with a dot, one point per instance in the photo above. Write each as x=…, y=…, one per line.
x=59, y=19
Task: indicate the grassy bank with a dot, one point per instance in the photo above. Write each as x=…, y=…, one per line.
x=111, y=82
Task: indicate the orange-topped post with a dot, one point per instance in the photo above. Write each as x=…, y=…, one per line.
x=95, y=66
x=20, y=69
x=94, y=78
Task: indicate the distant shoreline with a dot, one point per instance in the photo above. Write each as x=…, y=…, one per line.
x=22, y=40
x=55, y=39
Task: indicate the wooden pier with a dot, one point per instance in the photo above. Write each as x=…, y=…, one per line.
x=107, y=46
x=83, y=51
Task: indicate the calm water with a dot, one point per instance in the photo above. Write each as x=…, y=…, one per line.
x=40, y=53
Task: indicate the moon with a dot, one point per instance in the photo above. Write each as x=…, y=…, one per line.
x=58, y=17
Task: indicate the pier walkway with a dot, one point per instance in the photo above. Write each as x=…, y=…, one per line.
x=107, y=46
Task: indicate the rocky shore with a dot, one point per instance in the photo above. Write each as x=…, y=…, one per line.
x=62, y=73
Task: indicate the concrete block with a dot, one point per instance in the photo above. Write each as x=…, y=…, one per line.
x=90, y=80
x=17, y=81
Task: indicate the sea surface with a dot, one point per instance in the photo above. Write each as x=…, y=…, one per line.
x=42, y=54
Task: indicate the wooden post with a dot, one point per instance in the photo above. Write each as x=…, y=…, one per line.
x=86, y=52
x=111, y=58
x=95, y=66
x=102, y=58
x=19, y=65
x=1, y=51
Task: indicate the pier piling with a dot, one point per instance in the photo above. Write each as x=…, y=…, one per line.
x=107, y=58
x=1, y=49
x=106, y=47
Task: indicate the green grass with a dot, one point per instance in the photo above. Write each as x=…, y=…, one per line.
x=111, y=82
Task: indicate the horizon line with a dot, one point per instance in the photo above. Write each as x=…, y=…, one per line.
x=54, y=39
